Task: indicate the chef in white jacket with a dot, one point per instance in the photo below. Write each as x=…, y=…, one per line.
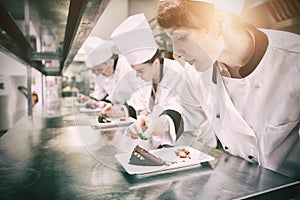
x=167, y=97
x=109, y=71
x=256, y=75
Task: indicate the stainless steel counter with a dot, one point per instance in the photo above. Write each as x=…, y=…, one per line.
x=62, y=157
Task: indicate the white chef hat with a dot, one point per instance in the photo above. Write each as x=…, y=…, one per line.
x=90, y=44
x=134, y=39
x=100, y=54
x=234, y=6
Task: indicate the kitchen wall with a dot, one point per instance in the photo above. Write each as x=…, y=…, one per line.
x=14, y=104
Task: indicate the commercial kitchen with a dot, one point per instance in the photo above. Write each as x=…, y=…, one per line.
x=52, y=147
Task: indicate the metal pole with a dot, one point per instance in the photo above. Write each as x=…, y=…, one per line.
x=29, y=75
x=29, y=79
x=43, y=90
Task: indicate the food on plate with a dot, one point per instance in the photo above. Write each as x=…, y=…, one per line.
x=141, y=156
x=143, y=137
x=82, y=98
x=103, y=119
x=183, y=153
x=91, y=104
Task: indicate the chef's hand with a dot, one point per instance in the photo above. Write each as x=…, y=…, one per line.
x=112, y=111
x=158, y=126
x=139, y=126
x=104, y=106
x=143, y=112
x=90, y=104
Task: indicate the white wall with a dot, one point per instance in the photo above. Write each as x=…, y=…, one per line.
x=9, y=66
x=16, y=102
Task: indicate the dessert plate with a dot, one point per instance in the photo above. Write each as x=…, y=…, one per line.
x=79, y=105
x=115, y=123
x=174, y=162
x=89, y=110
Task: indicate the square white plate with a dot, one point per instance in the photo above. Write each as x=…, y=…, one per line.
x=79, y=105
x=89, y=110
x=167, y=154
x=115, y=123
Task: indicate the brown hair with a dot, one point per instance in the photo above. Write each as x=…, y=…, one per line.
x=184, y=13
x=159, y=54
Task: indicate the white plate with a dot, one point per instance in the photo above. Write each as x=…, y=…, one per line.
x=167, y=154
x=89, y=110
x=113, y=124
x=79, y=105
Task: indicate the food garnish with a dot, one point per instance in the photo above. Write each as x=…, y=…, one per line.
x=183, y=153
x=143, y=137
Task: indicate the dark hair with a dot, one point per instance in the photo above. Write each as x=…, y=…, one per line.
x=184, y=13
x=114, y=57
x=158, y=55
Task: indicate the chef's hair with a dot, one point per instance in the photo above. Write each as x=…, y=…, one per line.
x=114, y=57
x=183, y=13
x=158, y=55
x=174, y=14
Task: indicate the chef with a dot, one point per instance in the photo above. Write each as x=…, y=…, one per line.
x=109, y=71
x=167, y=96
x=256, y=75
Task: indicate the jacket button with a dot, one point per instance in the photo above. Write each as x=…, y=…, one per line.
x=226, y=147
x=250, y=157
x=218, y=115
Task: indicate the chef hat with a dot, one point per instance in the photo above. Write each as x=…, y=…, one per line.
x=90, y=44
x=134, y=39
x=100, y=54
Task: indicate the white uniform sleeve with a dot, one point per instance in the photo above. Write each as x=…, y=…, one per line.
x=166, y=138
x=99, y=92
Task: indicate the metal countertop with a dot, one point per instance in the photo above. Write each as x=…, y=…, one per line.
x=62, y=157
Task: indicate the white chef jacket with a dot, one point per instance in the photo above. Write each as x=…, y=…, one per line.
x=257, y=117
x=197, y=104
x=176, y=92
x=118, y=85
